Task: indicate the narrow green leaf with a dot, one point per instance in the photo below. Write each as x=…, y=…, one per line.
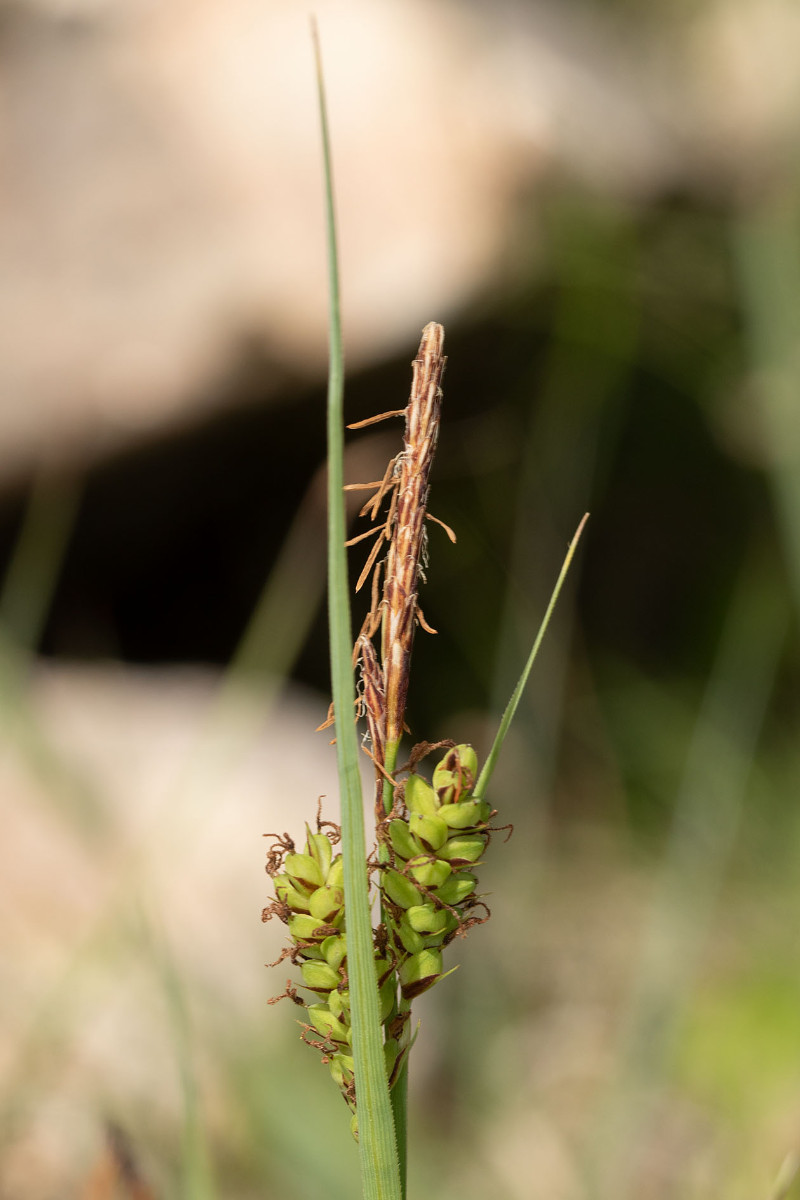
x=39, y=554
x=197, y=1180
x=513, y=704
x=379, y=1167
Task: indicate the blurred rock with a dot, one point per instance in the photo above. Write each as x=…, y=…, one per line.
x=163, y=200
x=742, y=84
x=133, y=805
x=163, y=196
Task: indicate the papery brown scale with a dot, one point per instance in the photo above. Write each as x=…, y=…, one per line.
x=405, y=550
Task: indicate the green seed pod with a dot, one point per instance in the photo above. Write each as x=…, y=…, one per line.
x=428, y=871
x=464, y=848
x=327, y=903
x=420, y=972
x=384, y=967
x=486, y=810
x=388, y=998
x=398, y=1064
x=320, y=977
x=319, y=848
x=400, y=889
x=304, y=872
x=342, y=1068
x=326, y=1023
x=427, y=919
x=456, y=888
x=454, y=777
x=430, y=832
x=335, y=877
x=310, y=950
x=391, y=1052
x=305, y=928
x=420, y=796
x=288, y=893
x=339, y=1004
x=465, y=815
x=334, y=950
x=403, y=843
x=439, y=938
x=411, y=941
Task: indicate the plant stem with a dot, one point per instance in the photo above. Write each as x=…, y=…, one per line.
x=378, y=1157
x=516, y=696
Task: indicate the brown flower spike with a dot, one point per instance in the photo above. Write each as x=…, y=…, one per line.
x=407, y=483
x=406, y=547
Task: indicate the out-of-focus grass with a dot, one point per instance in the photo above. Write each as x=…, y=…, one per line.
x=650, y=1125
x=627, y=1022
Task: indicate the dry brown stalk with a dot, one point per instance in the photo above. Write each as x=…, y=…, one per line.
x=395, y=608
x=373, y=698
x=406, y=548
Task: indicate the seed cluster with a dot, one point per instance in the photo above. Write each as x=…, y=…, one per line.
x=435, y=833
x=309, y=890
x=438, y=833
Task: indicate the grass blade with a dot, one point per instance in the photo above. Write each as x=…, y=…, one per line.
x=379, y=1167
x=513, y=704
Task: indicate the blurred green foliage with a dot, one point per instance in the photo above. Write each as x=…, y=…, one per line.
x=627, y=1025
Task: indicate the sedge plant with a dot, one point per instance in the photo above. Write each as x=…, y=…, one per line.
x=358, y=980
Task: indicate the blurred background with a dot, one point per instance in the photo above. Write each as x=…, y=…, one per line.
x=600, y=201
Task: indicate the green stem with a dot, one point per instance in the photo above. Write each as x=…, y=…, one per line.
x=399, y=1093
x=513, y=704
x=380, y=1177
x=399, y=1098
x=389, y=765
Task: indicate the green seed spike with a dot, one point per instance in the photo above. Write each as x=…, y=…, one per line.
x=420, y=796
x=420, y=972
